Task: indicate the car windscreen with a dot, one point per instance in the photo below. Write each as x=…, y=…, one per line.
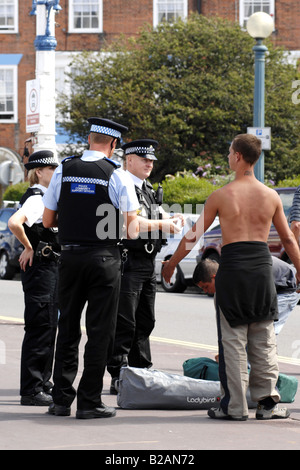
x=287, y=201
x=4, y=216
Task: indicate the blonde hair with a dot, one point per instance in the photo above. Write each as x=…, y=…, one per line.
x=33, y=177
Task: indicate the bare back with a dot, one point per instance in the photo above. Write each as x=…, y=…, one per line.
x=246, y=209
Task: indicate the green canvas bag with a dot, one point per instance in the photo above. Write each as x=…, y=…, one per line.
x=287, y=386
x=207, y=369
x=201, y=368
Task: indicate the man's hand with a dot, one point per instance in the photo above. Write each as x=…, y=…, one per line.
x=295, y=228
x=170, y=225
x=167, y=270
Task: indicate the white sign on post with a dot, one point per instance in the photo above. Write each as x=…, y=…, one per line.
x=32, y=105
x=262, y=133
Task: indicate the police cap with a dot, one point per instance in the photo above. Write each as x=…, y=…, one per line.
x=41, y=158
x=143, y=148
x=106, y=127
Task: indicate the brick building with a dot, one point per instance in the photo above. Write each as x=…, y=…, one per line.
x=86, y=24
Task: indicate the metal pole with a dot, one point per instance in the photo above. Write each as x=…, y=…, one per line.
x=45, y=44
x=259, y=101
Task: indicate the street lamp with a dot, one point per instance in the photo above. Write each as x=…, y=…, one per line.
x=45, y=44
x=260, y=25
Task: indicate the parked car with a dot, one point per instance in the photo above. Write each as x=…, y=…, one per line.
x=183, y=273
x=10, y=247
x=212, y=241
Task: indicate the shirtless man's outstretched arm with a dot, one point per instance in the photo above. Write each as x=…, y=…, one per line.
x=246, y=209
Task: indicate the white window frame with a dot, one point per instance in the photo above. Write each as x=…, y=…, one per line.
x=156, y=9
x=63, y=61
x=259, y=3
x=15, y=28
x=72, y=29
x=14, y=69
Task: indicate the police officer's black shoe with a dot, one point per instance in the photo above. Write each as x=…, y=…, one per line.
x=59, y=410
x=114, y=386
x=40, y=399
x=102, y=412
x=48, y=388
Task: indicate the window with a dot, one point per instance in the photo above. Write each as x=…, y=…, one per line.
x=65, y=85
x=8, y=93
x=8, y=16
x=248, y=7
x=85, y=16
x=169, y=10
x=63, y=66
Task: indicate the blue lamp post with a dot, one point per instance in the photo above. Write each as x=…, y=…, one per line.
x=260, y=25
x=47, y=41
x=45, y=44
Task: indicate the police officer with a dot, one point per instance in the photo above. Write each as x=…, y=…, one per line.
x=136, y=316
x=85, y=196
x=38, y=263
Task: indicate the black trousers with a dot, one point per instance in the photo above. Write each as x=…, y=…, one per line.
x=41, y=311
x=136, y=315
x=89, y=276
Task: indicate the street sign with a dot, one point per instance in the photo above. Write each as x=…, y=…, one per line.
x=263, y=133
x=32, y=105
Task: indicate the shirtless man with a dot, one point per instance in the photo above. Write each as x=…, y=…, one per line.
x=245, y=291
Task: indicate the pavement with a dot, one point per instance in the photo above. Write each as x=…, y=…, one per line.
x=160, y=435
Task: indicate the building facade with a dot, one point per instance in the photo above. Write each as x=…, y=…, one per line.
x=88, y=25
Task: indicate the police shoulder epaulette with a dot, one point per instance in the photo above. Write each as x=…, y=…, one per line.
x=69, y=158
x=116, y=164
x=30, y=192
x=36, y=191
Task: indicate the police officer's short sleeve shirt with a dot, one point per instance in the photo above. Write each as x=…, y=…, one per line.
x=33, y=207
x=121, y=188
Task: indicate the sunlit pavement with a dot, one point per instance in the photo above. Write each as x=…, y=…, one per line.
x=179, y=431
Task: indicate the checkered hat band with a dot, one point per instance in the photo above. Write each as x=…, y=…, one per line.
x=44, y=161
x=139, y=150
x=75, y=179
x=106, y=131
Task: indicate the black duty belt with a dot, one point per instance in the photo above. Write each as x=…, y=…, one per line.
x=85, y=247
x=46, y=251
x=73, y=247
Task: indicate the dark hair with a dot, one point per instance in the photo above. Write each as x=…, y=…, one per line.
x=249, y=146
x=205, y=270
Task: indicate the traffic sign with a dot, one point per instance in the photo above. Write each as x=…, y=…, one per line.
x=263, y=133
x=32, y=105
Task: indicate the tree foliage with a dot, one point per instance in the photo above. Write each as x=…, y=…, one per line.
x=190, y=86
x=16, y=191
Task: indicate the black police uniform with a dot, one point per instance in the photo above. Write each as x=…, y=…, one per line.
x=90, y=271
x=41, y=308
x=136, y=312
